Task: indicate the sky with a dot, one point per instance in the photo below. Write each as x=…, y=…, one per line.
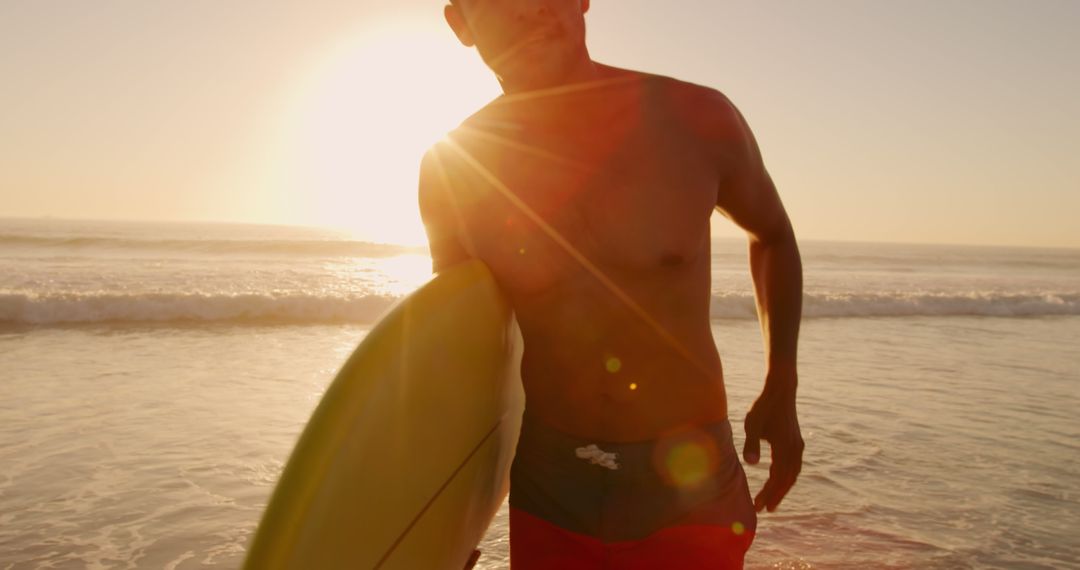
x=928, y=121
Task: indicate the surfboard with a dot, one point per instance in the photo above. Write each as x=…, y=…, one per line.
x=406, y=459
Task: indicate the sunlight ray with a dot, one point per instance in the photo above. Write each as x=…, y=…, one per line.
x=468, y=244
x=563, y=89
x=574, y=253
x=528, y=149
x=510, y=51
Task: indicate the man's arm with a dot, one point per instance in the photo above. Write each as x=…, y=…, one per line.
x=748, y=197
x=441, y=215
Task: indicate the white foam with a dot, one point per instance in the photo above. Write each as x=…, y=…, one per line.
x=73, y=308
x=45, y=309
x=907, y=304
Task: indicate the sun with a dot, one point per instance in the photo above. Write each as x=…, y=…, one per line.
x=363, y=119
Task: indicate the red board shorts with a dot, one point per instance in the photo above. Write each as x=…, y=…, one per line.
x=677, y=502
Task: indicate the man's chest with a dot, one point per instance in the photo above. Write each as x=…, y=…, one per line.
x=539, y=207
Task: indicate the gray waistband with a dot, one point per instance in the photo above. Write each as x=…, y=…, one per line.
x=538, y=437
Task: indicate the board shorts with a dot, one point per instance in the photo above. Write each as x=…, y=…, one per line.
x=677, y=502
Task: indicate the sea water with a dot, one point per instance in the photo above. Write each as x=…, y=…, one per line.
x=154, y=377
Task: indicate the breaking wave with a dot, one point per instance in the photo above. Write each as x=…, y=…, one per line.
x=905, y=304
x=190, y=307
x=298, y=308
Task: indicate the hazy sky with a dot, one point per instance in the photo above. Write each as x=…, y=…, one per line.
x=954, y=121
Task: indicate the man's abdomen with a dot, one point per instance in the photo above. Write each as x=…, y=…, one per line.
x=618, y=391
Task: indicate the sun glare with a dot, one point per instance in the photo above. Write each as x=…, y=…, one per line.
x=364, y=118
x=404, y=273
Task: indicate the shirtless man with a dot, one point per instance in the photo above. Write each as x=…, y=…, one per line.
x=588, y=190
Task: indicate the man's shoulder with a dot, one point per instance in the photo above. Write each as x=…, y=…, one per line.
x=485, y=118
x=706, y=111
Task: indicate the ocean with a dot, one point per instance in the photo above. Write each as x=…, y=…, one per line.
x=154, y=377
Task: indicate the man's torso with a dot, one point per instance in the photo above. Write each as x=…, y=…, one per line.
x=592, y=209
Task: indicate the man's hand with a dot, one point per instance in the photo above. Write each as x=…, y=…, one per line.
x=773, y=418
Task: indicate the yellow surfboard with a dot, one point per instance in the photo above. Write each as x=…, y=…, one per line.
x=406, y=459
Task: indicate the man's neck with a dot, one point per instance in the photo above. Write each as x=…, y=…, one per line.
x=583, y=71
x=572, y=105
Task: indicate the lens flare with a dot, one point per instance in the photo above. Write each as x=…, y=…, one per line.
x=687, y=459
x=688, y=464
